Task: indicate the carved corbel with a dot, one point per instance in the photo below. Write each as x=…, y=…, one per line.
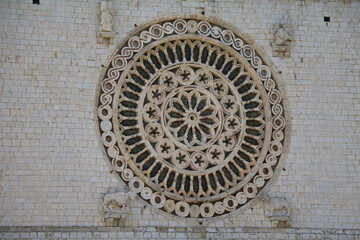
x=116, y=207
x=278, y=210
x=105, y=34
x=283, y=36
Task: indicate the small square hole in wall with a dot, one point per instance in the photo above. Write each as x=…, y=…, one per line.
x=36, y=1
x=200, y=10
x=326, y=19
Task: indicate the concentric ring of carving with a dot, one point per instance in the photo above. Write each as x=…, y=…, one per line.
x=193, y=123
x=199, y=125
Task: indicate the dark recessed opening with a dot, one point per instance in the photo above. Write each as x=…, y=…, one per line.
x=36, y=1
x=326, y=19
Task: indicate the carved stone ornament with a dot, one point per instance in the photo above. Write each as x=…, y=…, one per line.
x=116, y=207
x=278, y=210
x=105, y=33
x=191, y=117
x=107, y=17
x=284, y=35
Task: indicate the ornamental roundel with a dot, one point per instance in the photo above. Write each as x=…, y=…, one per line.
x=191, y=117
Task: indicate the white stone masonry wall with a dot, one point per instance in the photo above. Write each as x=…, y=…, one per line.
x=52, y=172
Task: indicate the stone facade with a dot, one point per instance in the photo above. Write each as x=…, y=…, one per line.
x=53, y=176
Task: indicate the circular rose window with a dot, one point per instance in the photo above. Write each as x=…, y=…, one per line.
x=191, y=117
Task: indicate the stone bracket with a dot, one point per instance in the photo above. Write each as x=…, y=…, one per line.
x=283, y=37
x=105, y=37
x=115, y=207
x=281, y=51
x=278, y=210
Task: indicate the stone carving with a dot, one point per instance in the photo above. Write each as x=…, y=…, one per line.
x=278, y=210
x=193, y=124
x=116, y=207
x=105, y=33
x=107, y=17
x=284, y=35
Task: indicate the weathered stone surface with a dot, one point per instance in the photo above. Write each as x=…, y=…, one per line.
x=52, y=170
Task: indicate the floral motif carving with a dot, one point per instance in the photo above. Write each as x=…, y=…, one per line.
x=192, y=118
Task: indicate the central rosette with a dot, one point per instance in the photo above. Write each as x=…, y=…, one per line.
x=191, y=117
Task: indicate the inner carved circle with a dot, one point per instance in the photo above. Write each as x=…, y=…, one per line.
x=192, y=117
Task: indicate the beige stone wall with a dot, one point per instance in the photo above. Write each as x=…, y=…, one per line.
x=52, y=172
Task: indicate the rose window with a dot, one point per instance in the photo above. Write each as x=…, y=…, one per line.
x=191, y=118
